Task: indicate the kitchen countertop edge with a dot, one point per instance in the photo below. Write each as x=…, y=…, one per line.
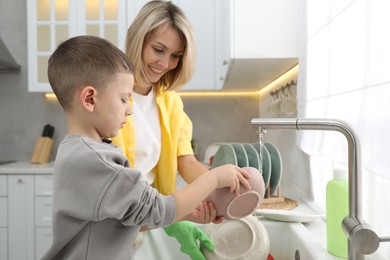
x=25, y=167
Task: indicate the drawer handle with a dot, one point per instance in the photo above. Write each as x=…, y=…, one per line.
x=47, y=218
x=47, y=193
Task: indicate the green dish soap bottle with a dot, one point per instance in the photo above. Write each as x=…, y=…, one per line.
x=336, y=210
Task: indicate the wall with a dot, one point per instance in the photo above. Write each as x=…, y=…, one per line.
x=23, y=114
x=295, y=167
x=347, y=76
x=221, y=119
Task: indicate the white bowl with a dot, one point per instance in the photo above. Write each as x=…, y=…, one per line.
x=244, y=238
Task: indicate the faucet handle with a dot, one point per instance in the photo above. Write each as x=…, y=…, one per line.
x=362, y=238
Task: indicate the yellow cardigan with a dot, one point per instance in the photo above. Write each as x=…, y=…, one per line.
x=176, y=135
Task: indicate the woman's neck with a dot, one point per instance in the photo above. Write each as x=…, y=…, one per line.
x=142, y=90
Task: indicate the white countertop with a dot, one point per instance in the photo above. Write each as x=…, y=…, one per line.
x=25, y=167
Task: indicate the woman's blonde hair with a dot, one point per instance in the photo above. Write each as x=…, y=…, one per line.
x=153, y=15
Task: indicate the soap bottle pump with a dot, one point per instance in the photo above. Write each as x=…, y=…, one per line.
x=336, y=211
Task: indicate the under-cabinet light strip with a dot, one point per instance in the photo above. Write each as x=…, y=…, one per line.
x=292, y=73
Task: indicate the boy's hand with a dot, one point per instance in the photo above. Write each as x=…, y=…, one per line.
x=204, y=213
x=231, y=176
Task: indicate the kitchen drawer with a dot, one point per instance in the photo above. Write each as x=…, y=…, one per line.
x=3, y=185
x=3, y=212
x=3, y=243
x=43, y=211
x=43, y=240
x=43, y=185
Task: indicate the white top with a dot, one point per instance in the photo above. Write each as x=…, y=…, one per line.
x=147, y=134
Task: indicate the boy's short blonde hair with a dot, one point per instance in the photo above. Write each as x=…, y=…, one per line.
x=154, y=15
x=84, y=61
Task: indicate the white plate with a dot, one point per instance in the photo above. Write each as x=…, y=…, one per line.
x=287, y=215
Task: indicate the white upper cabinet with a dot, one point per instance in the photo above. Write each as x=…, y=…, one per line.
x=52, y=21
x=201, y=14
x=241, y=44
x=261, y=39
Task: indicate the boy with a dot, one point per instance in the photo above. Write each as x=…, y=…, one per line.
x=99, y=203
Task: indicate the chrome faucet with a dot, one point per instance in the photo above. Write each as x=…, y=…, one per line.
x=362, y=240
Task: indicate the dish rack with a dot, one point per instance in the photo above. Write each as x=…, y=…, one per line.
x=277, y=201
x=247, y=155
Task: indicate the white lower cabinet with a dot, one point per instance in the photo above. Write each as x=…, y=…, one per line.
x=25, y=216
x=20, y=217
x=3, y=243
x=43, y=223
x=43, y=239
x=3, y=217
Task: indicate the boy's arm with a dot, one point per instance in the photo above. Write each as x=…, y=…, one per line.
x=188, y=198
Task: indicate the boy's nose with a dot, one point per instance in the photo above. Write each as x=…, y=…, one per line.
x=129, y=110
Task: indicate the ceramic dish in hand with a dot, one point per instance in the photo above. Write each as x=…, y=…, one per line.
x=244, y=238
x=253, y=156
x=288, y=215
x=242, y=157
x=265, y=163
x=276, y=167
x=224, y=155
x=230, y=206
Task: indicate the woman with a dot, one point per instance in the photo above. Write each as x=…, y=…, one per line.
x=160, y=43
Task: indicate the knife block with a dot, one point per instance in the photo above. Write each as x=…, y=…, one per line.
x=42, y=150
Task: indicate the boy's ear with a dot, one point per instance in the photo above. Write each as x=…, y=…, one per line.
x=88, y=98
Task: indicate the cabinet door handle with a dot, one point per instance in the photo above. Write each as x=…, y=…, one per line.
x=20, y=180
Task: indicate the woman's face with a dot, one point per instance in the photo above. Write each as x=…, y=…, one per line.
x=161, y=53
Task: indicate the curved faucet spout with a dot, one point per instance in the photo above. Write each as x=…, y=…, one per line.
x=361, y=238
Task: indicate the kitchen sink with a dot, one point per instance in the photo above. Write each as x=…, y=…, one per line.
x=293, y=241
x=287, y=241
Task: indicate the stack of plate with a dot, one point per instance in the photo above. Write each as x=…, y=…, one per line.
x=248, y=155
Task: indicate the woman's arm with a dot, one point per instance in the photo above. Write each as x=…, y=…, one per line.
x=190, y=168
